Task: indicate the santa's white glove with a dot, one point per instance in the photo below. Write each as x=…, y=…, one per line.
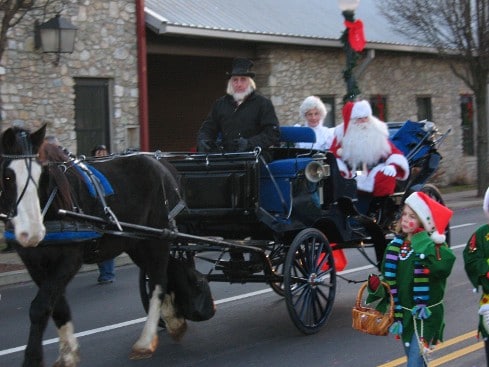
x=389, y=170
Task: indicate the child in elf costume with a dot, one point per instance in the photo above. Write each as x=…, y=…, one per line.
x=476, y=259
x=416, y=265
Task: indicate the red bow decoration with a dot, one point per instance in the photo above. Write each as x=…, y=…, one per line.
x=356, y=37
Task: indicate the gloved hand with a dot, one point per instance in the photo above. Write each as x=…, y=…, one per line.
x=389, y=170
x=373, y=282
x=204, y=146
x=242, y=145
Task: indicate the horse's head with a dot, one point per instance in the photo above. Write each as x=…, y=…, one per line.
x=20, y=172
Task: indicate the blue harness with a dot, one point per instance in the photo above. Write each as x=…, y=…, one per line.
x=58, y=231
x=102, y=180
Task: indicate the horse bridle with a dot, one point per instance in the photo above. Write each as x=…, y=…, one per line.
x=28, y=158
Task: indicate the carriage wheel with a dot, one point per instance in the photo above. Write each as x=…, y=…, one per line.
x=145, y=290
x=277, y=258
x=309, y=280
x=433, y=192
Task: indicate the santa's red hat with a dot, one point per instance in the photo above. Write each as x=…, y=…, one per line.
x=347, y=113
x=433, y=215
x=361, y=109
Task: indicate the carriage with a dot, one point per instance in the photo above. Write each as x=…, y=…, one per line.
x=284, y=221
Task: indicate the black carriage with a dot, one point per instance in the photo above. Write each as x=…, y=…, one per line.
x=286, y=221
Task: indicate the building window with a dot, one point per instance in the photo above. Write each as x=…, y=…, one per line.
x=379, y=106
x=328, y=101
x=424, y=108
x=92, y=113
x=467, y=109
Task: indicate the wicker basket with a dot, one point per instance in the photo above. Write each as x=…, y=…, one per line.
x=369, y=320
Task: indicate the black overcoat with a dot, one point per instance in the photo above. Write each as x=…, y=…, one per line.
x=254, y=119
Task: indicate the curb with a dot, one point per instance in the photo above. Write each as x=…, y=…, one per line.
x=22, y=276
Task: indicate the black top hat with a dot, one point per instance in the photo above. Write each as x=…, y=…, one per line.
x=242, y=67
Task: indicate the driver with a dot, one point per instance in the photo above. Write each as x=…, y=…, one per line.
x=242, y=119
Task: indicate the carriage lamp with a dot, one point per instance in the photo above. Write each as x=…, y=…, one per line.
x=56, y=36
x=353, y=40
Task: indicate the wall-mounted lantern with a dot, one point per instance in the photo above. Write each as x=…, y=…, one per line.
x=56, y=36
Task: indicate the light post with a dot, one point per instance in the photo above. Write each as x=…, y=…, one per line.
x=353, y=40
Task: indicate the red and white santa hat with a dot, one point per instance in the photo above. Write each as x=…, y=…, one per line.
x=433, y=215
x=361, y=109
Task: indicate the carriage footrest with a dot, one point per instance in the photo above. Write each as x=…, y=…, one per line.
x=238, y=269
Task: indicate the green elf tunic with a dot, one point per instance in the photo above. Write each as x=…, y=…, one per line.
x=416, y=272
x=476, y=255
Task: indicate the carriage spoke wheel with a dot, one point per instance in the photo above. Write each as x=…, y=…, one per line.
x=433, y=192
x=309, y=280
x=277, y=258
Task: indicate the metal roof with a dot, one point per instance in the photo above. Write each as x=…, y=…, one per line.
x=302, y=22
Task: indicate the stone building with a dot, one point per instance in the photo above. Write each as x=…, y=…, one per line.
x=188, y=48
x=98, y=79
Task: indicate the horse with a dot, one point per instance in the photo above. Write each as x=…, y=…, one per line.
x=37, y=180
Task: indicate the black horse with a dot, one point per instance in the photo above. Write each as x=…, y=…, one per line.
x=37, y=180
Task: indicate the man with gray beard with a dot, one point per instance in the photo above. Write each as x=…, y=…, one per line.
x=242, y=119
x=365, y=152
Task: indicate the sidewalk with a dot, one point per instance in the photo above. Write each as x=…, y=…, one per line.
x=13, y=271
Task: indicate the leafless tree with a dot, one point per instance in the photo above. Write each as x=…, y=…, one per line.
x=459, y=30
x=12, y=12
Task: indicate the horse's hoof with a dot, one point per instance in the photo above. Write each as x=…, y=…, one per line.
x=143, y=353
x=68, y=362
x=178, y=333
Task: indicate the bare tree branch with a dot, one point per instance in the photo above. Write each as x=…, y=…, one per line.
x=459, y=30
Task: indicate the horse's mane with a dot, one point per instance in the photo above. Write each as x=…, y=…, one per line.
x=56, y=160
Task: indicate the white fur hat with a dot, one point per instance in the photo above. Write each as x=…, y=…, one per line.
x=361, y=109
x=312, y=102
x=485, y=204
x=433, y=215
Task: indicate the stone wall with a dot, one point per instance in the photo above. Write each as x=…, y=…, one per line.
x=35, y=91
x=289, y=74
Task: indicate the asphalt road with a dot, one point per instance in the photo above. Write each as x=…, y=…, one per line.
x=251, y=326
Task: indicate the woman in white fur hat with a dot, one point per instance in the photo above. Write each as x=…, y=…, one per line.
x=416, y=265
x=312, y=113
x=476, y=259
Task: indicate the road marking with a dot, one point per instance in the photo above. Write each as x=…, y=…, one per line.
x=449, y=357
x=462, y=225
x=143, y=319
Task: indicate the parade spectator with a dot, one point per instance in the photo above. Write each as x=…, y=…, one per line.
x=106, y=268
x=476, y=260
x=312, y=113
x=416, y=265
x=240, y=120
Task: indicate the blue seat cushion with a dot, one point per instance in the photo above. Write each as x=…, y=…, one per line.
x=297, y=134
x=285, y=167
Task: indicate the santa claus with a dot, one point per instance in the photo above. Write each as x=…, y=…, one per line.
x=364, y=151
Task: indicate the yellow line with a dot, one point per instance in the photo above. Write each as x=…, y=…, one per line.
x=457, y=354
x=445, y=344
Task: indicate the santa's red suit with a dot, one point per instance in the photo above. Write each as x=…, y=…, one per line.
x=364, y=151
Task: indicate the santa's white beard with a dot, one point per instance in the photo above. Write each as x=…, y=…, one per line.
x=365, y=142
x=239, y=97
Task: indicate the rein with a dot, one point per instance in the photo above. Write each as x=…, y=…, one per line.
x=28, y=159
